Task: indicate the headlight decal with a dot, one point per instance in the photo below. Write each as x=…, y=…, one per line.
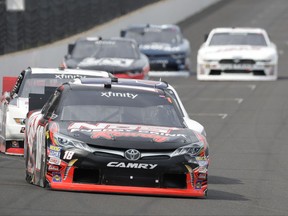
x=192, y=149
x=68, y=142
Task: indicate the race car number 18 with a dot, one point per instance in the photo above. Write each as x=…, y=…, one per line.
x=68, y=155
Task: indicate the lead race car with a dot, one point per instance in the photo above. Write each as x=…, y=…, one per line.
x=237, y=54
x=116, y=136
x=119, y=56
x=15, y=100
x=168, y=51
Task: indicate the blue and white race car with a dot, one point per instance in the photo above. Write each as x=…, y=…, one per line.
x=164, y=45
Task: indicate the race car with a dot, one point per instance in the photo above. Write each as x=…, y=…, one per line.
x=168, y=51
x=118, y=56
x=116, y=136
x=237, y=54
x=15, y=101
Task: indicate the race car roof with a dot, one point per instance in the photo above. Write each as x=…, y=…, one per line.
x=153, y=26
x=123, y=82
x=69, y=71
x=105, y=39
x=238, y=29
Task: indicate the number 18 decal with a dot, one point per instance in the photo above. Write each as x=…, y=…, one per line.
x=68, y=155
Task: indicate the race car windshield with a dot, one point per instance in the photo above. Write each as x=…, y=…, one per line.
x=251, y=39
x=155, y=36
x=37, y=85
x=105, y=49
x=118, y=106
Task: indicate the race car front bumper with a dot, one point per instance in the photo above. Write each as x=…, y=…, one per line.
x=213, y=70
x=168, y=63
x=189, y=192
x=179, y=176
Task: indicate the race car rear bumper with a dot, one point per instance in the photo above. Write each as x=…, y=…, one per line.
x=189, y=192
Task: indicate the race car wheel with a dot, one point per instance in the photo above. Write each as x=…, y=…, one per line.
x=43, y=170
x=28, y=177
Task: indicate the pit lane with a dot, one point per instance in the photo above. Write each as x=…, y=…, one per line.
x=248, y=148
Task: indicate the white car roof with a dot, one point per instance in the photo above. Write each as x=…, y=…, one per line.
x=69, y=71
x=238, y=29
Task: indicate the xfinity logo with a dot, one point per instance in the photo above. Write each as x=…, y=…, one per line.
x=118, y=94
x=132, y=165
x=68, y=76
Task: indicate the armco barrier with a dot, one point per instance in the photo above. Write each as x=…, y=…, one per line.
x=45, y=21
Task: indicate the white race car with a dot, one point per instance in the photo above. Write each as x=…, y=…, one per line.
x=15, y=102
x=237, y=54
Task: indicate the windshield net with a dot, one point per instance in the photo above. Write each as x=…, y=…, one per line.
x=118, y=106
x=252, y=39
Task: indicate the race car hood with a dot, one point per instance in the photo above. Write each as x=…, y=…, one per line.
x=159, y=48
x=107, y=64
x=240, y=52
x=103, y=135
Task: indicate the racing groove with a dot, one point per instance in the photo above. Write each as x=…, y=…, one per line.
x=246, y=123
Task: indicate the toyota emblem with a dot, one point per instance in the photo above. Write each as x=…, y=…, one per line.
x=132, y=154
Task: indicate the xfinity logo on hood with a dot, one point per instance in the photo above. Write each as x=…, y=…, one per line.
x=132, y=165
x=118, y=94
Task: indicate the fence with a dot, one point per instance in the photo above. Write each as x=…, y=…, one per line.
x=45, y=21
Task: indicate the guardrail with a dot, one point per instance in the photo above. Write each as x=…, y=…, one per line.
x=43, y=21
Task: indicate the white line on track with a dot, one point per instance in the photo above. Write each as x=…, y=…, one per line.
x=222, y=115
x=238, y=100
x=252, y=86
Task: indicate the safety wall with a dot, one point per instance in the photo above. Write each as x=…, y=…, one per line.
x=45, y=21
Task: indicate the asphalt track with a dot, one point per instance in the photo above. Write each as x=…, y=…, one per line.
x=246, y=123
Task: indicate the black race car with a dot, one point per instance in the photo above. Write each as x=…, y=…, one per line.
x=117, y=136
x=119, y=56
x=164, y=45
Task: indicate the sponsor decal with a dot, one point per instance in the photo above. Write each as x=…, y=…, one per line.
x=68, y=155
x=118, y=94
x=107, y=131
x=56, y=177
x=119, y=62
x=100, y=42
x=132, y=165
x=202, y=176
x=70, y=164
x=198, y=185
x=203, y=170
x=55, y=148
x=53, y=168
x=68, y=76
x=81, y=126
x=159, y=61
x=159, y=47
x=53, y=153
x=110, y=135
x=55, y=160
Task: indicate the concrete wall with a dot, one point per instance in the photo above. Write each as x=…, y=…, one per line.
x=163, y=12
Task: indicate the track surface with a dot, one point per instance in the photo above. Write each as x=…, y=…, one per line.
x=246, y=123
